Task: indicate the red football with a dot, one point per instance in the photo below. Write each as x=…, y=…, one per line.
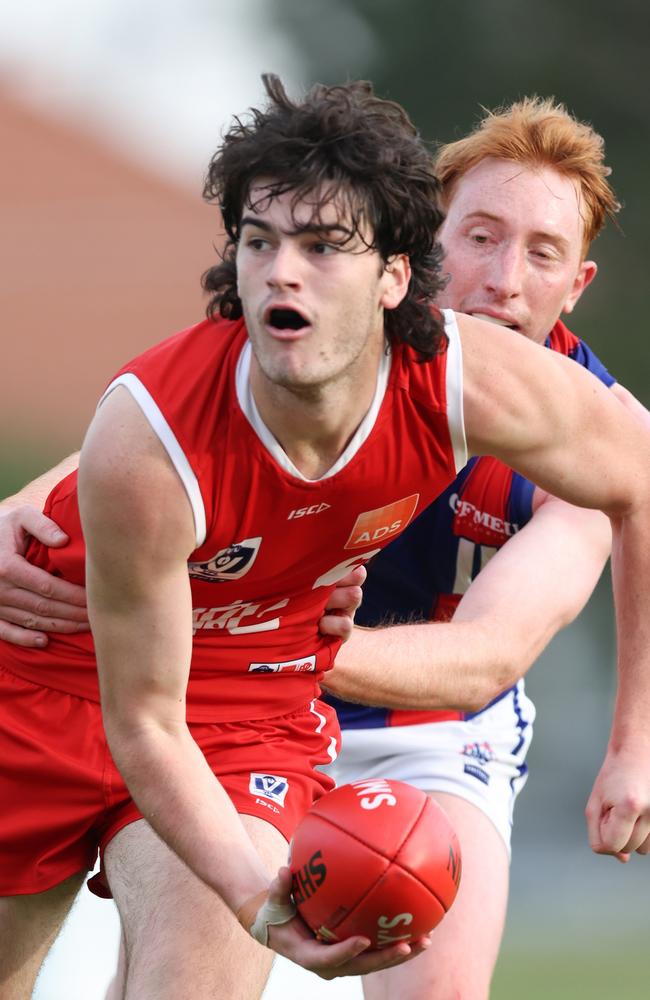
x=378, y=858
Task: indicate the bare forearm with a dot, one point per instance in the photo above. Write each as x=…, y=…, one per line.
x=143, y=644
x=38, y=490
x=504, y=621
x=630, y=559
x=420, y=666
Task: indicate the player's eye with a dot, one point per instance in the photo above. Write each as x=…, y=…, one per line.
x=544, y=254
x=322, y=249
x=257, y=243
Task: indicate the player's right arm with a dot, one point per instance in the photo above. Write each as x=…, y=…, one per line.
x=32, y=602
x=139, y=532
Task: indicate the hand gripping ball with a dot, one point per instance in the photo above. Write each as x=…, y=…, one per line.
x=377, y=858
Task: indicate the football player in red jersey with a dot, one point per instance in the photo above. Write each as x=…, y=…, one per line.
x=528, y=416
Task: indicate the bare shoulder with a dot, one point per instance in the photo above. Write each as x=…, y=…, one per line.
x=127, y=483
x=514, y=387
x=497, y=358
x=503, y=377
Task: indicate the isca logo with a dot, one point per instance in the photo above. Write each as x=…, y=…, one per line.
x=315, y=508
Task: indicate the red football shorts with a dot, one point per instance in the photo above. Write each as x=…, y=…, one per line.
x=62, y=799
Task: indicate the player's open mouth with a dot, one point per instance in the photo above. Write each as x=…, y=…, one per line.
x=496, y=320
x=286, y=319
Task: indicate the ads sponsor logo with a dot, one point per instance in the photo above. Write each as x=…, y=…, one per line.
x=379, y=525
x=270, y=787
x=302, y=665
x=230, y=563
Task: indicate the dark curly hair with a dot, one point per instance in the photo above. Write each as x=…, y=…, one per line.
x=347, y=144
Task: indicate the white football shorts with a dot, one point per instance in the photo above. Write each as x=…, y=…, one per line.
x=481, y=759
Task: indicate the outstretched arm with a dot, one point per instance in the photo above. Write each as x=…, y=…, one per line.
x=509, y=614
x=32, y=602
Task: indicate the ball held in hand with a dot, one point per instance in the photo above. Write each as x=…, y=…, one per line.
x=377, y=858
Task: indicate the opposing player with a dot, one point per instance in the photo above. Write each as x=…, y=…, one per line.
x=525, y=194
x=330, y=208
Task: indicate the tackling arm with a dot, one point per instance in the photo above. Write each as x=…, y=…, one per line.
x=32, y=602
x=36, y=492
x=509, y=614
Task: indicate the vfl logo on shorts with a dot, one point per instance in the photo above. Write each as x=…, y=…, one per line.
x=378, y=525
x=229, y=564
x=302, y=665
x=269, y=786
x=480, y=755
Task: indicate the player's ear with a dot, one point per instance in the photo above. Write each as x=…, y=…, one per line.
x=395, y=280
x=586, y=274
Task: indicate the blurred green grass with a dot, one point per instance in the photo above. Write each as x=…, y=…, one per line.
x=21, y=464
x=603, y=973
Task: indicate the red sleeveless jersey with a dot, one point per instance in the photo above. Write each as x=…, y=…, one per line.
x=270, y=545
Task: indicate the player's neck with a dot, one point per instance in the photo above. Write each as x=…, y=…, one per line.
x=314, y=425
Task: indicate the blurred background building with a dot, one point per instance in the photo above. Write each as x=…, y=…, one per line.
x=109, y=112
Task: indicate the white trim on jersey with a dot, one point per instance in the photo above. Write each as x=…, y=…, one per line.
x=331, y=750
x=250, y=411
x=168, y=439
x=454, y=377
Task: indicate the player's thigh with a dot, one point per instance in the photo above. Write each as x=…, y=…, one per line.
x=29, y=925
x=460, y=962
x=180, y=938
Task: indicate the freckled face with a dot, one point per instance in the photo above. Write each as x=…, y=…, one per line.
x=313, y=295
x=513, y=246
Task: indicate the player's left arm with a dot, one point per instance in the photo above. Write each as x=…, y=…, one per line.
x=553, y=422
x=620, y=799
